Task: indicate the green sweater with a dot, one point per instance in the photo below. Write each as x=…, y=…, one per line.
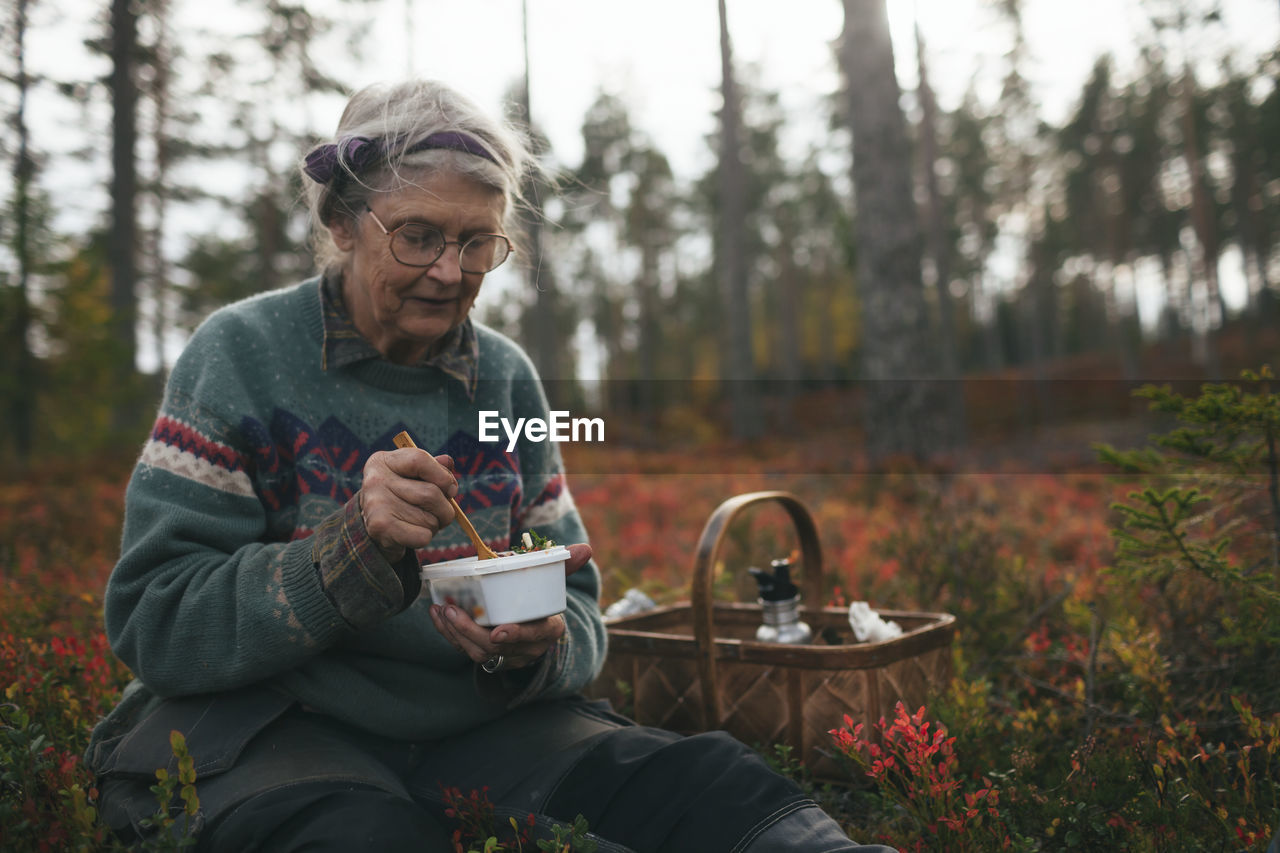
x=245, y=560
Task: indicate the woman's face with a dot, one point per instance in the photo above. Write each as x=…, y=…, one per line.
x=404, y=310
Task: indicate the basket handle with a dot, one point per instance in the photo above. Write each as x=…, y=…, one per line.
x=704, y=562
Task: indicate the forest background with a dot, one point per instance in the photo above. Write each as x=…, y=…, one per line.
x=920, y=319
x=1146, y=213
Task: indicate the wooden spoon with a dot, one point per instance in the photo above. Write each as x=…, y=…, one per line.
x=483, y=551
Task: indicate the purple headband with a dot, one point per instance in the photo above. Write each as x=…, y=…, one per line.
x=361, y=152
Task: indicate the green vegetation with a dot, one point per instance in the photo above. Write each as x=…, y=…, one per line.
x=1114, y=681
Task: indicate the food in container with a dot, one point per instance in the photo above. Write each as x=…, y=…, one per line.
x=514, y=587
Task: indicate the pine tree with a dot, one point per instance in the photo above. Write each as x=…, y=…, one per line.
x=19, y=382
x=903, y=411
x=738, y=368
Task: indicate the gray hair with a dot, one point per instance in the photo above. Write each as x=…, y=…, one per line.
x=399, y=116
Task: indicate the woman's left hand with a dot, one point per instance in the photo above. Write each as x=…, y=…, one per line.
x=521, y=644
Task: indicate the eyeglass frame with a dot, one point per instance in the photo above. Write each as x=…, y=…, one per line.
x=462, y=245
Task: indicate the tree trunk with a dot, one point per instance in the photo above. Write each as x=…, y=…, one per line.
x=1040, y=319
x=939, y=251
x=1254, y=246
x=738, y=368
x=829, y=369
x=992, y=350
x=648, y=321
x=124, y=192
x=791, y=296
x=158, y=268
x=1202, y=222
x=541, y=323
x=904, y=414
x=22, y=402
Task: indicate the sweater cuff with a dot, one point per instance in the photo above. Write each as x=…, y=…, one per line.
x=363, y=586
x=525, y=685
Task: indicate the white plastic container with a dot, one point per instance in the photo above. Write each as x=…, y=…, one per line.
x=510, y=588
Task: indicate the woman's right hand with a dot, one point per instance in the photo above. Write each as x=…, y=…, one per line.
x=405, y=499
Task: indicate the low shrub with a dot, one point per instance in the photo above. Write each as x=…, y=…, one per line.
x=1113, y=687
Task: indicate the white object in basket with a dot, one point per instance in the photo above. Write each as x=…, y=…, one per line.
x=510, y=588
x=869, y=626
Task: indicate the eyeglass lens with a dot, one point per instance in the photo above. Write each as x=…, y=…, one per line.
x=421, y=245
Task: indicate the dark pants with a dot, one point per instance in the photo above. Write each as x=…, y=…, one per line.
x=306, y=782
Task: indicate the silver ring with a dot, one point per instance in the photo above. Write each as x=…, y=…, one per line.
x=493, y=664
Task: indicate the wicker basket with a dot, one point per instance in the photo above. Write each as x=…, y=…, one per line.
x=697, y=666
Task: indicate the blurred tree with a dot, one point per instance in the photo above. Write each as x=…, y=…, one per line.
x=650, y=257
x=591, y=222
x=1203, y=221
x=770, y=218
x=648, y=227
x=1099, y=227
x=1143, y=151
x=766, y=183
x=545, y=330
x=797, y=249
x=157, y=86
x=903, y=414
x=1085, y=325
x=621, y=223
x=607, y=135
x=1243, y=134
x=1041, y=306
x=738, y=368
x=823, y=255
x=1267, y=124
x=939, y=250
x=548, y=312
x=220, y=269
x=83, y=399
x=163, y=118
x=288, y=35
x=269, y=126
x=1177, y=19
x=970, y=169
x=1019, y=149
x=811, y=303
x=19, y=381
x=123, y=84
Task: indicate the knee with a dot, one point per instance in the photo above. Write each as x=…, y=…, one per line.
x=364, y=819
x=652, y=790
x=326, y=818
x=722, y=747
x=723, y=760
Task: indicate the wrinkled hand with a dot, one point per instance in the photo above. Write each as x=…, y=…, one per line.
x=405, y=499
x=520, y=644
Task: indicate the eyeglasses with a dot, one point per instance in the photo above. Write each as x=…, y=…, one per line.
x=416, y=244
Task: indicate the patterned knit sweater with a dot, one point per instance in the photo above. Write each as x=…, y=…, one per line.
x=244, y=557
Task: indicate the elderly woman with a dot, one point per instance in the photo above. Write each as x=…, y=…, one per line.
x=267, y=594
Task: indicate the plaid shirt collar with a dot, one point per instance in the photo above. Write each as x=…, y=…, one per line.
x=343, y=345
